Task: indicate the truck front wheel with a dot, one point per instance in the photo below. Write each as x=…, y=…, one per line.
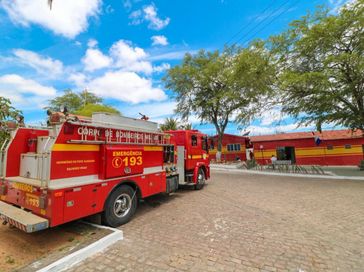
x=120, y=206
x=200, y=179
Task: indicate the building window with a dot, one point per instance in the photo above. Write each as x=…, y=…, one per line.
x=233, y=147
x=330, y=147
x=347, y=146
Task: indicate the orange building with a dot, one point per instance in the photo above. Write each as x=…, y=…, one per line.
x=234, y=147
x=336, y=147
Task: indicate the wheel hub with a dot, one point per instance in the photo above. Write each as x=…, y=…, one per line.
x=122, y=205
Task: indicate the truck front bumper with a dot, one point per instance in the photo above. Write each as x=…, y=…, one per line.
x=22, y=219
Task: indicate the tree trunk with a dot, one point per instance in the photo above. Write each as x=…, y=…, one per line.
x=219, y=146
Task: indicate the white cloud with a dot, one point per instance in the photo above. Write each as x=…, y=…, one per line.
x=174, y=55
x=161, y=68
x=92, y=43
x=79, y=79
x=123, y=55
x=130, y=58
x=136, y=17
x=67, y=17
x=271, y=117
x=127, y=87
x=41, y=64
x=265, y=130
x=95, y=59
x=150, y=15
x=25, y=93
x=155, y=111
x=159, y=40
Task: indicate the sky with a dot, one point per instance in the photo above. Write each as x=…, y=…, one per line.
x=120, y=50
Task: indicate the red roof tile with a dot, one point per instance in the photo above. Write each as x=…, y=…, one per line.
x=325, y=135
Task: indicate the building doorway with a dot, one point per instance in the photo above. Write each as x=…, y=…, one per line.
x=286, y=153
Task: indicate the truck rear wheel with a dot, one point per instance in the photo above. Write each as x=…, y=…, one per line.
x=200, y=179
x=120, y=206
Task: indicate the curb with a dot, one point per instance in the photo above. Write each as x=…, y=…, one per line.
x=230, y=169
x=86, y=252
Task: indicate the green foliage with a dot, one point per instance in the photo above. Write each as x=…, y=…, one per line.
x=218, y=86
x=88, y=109
x=8, y=112
x=250, y=164
x=74, y=101
x=187, y=126
x=321, y=60
x=174, y=124
x=84, y=103
x=169, y=124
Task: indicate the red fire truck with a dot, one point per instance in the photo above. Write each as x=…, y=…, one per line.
x=77, y=167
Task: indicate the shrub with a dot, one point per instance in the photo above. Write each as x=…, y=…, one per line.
x=251, y=164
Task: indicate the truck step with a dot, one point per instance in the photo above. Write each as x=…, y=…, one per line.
x=21, y=219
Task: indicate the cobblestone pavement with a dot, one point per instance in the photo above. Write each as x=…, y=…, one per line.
x=244, y=222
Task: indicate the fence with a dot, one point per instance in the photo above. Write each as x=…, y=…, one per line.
x=291, y=168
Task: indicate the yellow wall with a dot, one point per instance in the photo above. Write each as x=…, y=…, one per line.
x=314, y=152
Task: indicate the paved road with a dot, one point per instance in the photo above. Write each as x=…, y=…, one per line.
x=244, y=222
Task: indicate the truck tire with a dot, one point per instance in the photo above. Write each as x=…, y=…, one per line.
x=200, y=179
x=120, y=206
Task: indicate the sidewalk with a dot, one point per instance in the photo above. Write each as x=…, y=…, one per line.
x=234, y=168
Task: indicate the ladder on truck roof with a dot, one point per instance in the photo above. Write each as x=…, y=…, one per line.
x=135, y=131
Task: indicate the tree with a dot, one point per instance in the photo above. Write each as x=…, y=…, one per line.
x=84, y=103
x=8, y=112
x=89, y=98
x=322, y=65
x=187, y=126
x=88, y=109
x=74, y=101
x=220, y=86
x=169, y=124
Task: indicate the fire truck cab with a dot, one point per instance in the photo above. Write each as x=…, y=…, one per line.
x=76, y=168
x=192, y=157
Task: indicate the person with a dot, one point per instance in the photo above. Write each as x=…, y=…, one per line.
x=273, y=160
x=251, y=155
